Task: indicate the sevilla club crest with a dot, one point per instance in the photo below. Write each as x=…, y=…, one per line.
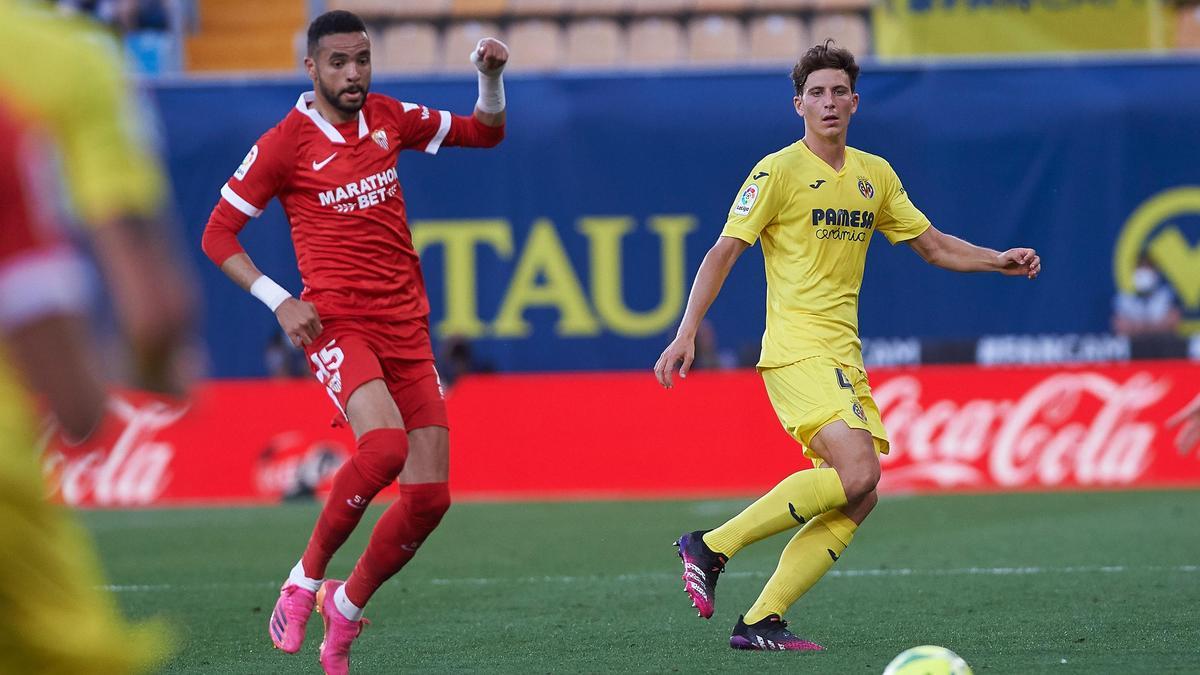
x=380, y=138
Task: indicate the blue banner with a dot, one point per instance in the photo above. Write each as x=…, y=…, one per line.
x=572, y=246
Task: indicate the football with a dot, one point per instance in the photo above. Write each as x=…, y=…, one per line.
x=927, y=660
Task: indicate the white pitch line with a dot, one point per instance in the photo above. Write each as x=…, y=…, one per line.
x=667, y=576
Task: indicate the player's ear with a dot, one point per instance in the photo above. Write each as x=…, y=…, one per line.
x=799, y=105
x=310, y=66
x=854, y=103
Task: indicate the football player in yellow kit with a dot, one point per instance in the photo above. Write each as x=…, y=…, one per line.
x=71, y=151
x=814, y=205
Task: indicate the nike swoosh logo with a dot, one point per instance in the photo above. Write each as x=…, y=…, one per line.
x=817, y=184
x=832, y=554
x=317, y=166
x=761, y=174
x=799, y=518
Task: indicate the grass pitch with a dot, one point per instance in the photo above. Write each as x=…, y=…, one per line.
x=1097, y=582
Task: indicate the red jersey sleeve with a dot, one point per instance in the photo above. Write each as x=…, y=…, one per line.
x=261, y=175
x=425, y=129
x=40, y=274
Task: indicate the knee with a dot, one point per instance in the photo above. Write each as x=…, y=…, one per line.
x=381, y=457
x=859, y=480
x=426, y=502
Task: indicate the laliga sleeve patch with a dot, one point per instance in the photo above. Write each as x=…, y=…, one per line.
x=746, y=201
x=246, y=163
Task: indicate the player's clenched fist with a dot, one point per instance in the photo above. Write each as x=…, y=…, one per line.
x=299, y=320
x=489, y=56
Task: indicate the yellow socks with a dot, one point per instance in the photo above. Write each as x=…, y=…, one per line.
x=797, y=499
x=806, y=558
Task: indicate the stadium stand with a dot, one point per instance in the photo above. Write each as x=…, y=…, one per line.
x=595, y=43
x=1187, y=27
x=409, y=47
x=245, y=35
x=776, y=38
x=715, y=39
x=539, y=44
x=655, y=42
x=460, y=40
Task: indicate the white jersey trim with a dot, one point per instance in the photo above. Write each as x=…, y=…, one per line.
x=42, y=283
x=440, y=136
x=304, y=105
x=238, y=203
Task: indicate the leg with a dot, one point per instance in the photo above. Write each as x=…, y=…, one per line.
x=380, y=456
x=424, y=490
x=814, y=549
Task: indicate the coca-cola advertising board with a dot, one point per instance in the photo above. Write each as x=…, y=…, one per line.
x=962, y=428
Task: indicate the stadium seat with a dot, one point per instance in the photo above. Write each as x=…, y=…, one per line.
x=842, y=5
x=781, y=5
x=409, y=48
x=1187, y=27
x=661, y=8
x=721, y=6
x=370, y=9
x=848, y=30
x=537, y=44
x=593, y=43
x=777, y=38
x=477, y=9
x=543, y=8
x=715, y=39
x=655, y=42
x=598, y=7
x=459, y=41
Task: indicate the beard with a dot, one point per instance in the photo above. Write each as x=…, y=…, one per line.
x=335, y=98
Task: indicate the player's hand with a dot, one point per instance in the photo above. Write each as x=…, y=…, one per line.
x=680, y=349
x=489, y=56
x=1020, y=262
x=299, y=321
x=1189, y=435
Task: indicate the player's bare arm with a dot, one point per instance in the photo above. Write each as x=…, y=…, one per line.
x=297, y=318
x=490, y=57
x=153, y=299
x=709, y=279
x=951, y=253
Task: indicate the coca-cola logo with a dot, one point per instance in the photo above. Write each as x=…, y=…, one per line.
x=124, y=464
x=1070, y=428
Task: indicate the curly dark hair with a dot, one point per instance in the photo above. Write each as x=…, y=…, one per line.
x=820, y=57
x=330, y=23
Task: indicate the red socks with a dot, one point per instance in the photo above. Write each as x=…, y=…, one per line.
x=401, y=529
x=379, y=459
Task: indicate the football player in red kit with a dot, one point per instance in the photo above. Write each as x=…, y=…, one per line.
x=362, y=318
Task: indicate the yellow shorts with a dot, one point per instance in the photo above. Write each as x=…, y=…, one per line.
x=813, y=392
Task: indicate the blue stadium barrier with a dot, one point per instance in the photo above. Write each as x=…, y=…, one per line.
x=572, y=245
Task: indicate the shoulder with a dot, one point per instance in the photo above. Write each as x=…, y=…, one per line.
x=871, y=162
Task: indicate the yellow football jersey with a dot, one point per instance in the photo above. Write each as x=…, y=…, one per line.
x=815, y=224
x=67, y=74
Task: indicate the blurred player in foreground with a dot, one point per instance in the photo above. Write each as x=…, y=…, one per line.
x=363, y=316
x=71, y=153
x=815, y=204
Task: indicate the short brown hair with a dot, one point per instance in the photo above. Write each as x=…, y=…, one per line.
x=820, y=57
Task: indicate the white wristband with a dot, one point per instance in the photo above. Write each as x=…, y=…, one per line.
x=491, y=86
x=270, y=293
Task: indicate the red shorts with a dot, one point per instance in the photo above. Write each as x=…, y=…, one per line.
x=352, y=351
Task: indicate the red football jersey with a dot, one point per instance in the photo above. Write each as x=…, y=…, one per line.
x=40, y=273
x=338, y=188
